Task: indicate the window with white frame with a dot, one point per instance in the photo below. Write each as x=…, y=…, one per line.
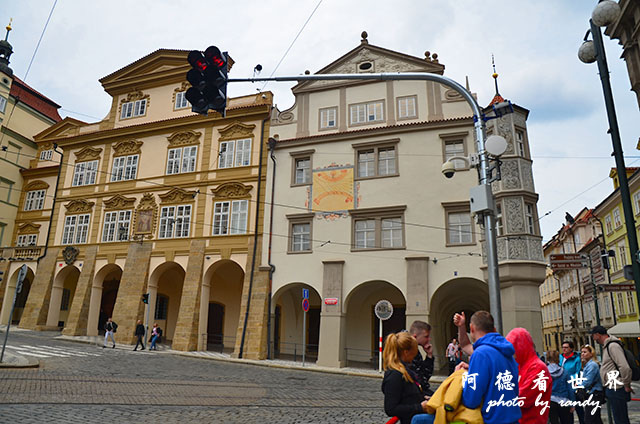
x=453, y=148
x=300, y=226
x=636, y=201
x=520, y=142
x=407, y=107
x=76, y=229
x=621, y=309
x=182, y=159
x=499, y=221
x=181, y=100
x=175, y=221
x=46, y=154
x=34, y=200
x=133, y=109
x=116, y=226
x=622, y=254
x=124, y=168
x=459, y=228
x=376, y=161
x=302, y=170
x=366, y=112
x=328, y=118
x=27, y=240
x=617, y=221
x=530, y=213
x=230, y=217
x=3, y=104
x=234, y=153
x=84, y=173
x=631, y=302
x=607, y=224
x=378, y=228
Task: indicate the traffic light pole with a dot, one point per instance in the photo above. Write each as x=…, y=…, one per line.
x=483, y=165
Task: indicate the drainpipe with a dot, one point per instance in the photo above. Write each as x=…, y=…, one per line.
x=255, y=239
x=272, y=268
x=55, y=197
x=604, y=246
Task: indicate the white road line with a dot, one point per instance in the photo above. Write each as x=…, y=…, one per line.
x=71, y=352
x=41, y=351
x=21, y=352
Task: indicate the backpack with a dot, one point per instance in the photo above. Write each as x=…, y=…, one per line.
x=631, y=360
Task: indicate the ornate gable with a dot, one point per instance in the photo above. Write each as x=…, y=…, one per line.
x=128, y=147
x=232, y=191
x=79, y=206
x=36, y=185
x=236, y=130
x=184, y=138
x=29, y=228
x=177, y=195
x=88, y=153
x=119, y=202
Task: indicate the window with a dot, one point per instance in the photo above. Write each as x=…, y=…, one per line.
x=234, y=153
x=76, y=229
x=116, y=226
x=66, y=299
x=636, y=201
x=621, y=308
x=27, y=240
x=531, y=220
x=133, y=109
x=302, y=170
x=631, y=302
x=230, y=217
x=328, y=118
x=378, y=228
x=175, y=221
x=407, y=107
x=607, y=224
x=3, y=104
x=124, y=168
x=300, y=233
x=454, y=148
x=617, y=221
x=181, y=100
x=366, y=112
x=622, y=254
x=35, y=200
x=46, y=154
x=85, y=173
x=376, y=161
x=520, y=142
x=162, y=306
x=182, y=159
x=458, y=222
x=499, y=222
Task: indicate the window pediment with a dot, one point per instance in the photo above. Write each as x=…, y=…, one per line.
x=232, y=191
x=177, y=195
x=127, y=147
x=236, y=130
x=119, y=202
x=36, y=185
x=183, y=87
x=184, y=138
x=79, y=206
x=88, y=153
x=136, y=95
x=29, y=228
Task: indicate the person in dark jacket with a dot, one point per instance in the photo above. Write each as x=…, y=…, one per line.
x=561, y=391
x=156, y=333
x=140, y=335
x=110, y=329
x=403, y=397
x=423, y=368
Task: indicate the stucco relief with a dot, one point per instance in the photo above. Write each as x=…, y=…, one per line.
x=183, y=87
x=45, y=146
x=519, y=120
x=285, y=117
x=502, y=248
x=514, y=215
x=504, y=129
x=132, y=97
x=29, y=228
x=177, y=195
x=535, y=249
x=88, y=153
x=184, y=138
x=517, y=248
x=510, y=174
x=36, y=185
x=79, y=206
x=527, y=176
x=232, y=191
x=119, y=202
x=453, y=96
x=127, y=147
x=236, y=130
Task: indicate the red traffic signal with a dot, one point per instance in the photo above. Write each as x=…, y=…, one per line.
x=208, y=79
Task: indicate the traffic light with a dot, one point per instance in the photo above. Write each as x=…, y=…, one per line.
x=208, y=79
x=145, y=298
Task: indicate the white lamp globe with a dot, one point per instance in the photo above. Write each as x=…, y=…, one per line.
x=605, y=13
x=495, y=145
x=587, y=52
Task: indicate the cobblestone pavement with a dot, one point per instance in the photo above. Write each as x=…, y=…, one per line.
x=124, y=386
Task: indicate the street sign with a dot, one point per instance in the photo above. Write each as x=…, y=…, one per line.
x=587, y=289
x=21, y=276
x=330, y=300
x=305, y=305
x=617, y=287
x=588, y=297
x=567, y=257
x=563, y=261
x=560, y=266
x=384, y=310
x=305, y=293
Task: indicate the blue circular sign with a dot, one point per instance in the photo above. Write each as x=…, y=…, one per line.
x=305, y=305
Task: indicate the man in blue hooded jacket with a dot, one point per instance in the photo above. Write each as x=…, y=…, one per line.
x=571, y=363
x=492, y=376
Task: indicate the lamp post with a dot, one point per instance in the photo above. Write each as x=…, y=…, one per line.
x=591, y=51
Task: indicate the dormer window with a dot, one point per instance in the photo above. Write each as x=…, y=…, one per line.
x=46, y=154
x=133, y=109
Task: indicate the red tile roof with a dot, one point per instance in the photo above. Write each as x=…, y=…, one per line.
x=27, y=95
x=496, y=99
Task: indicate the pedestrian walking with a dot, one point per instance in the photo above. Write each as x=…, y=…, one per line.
x=110, y=329
x=615, y=374
x=453, y=353
x=571, y=362
x=423, y=368
x=140, y=335
x=156, y=333
x=592, y=391
x=561, y=391
x=534, y=381
x=403, y=397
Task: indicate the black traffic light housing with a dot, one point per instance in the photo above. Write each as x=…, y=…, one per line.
x=145, y=298
x=208, y=79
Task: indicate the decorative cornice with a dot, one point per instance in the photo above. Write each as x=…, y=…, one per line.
x=88, y=153
x=146, y=216
x=184, y=138
x=45, y=146
x=177, y=195
x=136, y=95
x=119, y=202
x=36, y=185
x=236, y=130
x=79, y=206
x=127, y=147
x=29, y=228
x=232, y=190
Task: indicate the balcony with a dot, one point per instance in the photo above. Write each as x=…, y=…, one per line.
x=21, y=253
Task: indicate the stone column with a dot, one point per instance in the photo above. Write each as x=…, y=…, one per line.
x=417, y=289
x=332, y=318
x=129, y=307
x=94, y=309
x=53, y=315
x=79, y=313
x=185, y=337
x=204, y=316
x=255, y=339
x=37, y=307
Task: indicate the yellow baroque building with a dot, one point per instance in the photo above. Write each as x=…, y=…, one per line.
x=152, y=199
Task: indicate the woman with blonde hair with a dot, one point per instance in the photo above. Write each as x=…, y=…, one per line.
x=592, y=386
x=403, y=397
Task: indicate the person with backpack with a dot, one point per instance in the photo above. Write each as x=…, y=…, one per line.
x=616, y=373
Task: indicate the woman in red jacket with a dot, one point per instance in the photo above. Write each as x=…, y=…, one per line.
x=534, y=379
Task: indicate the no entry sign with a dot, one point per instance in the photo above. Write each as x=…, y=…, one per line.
x=305, y=305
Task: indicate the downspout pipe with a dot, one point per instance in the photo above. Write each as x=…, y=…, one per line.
x=604, y=246
x=55, y=197
x=272, y=268
x=255, y=239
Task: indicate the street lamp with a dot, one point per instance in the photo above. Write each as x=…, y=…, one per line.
x=605, y=13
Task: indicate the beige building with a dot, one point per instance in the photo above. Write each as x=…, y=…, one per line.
x=152, y=199
x=361, y=212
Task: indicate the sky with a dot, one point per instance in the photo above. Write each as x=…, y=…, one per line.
x=535, y=45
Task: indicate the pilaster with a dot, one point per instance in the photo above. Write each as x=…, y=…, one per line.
x=332, y=319
x=185, y=337
x=37, y=306
x=79, y=313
